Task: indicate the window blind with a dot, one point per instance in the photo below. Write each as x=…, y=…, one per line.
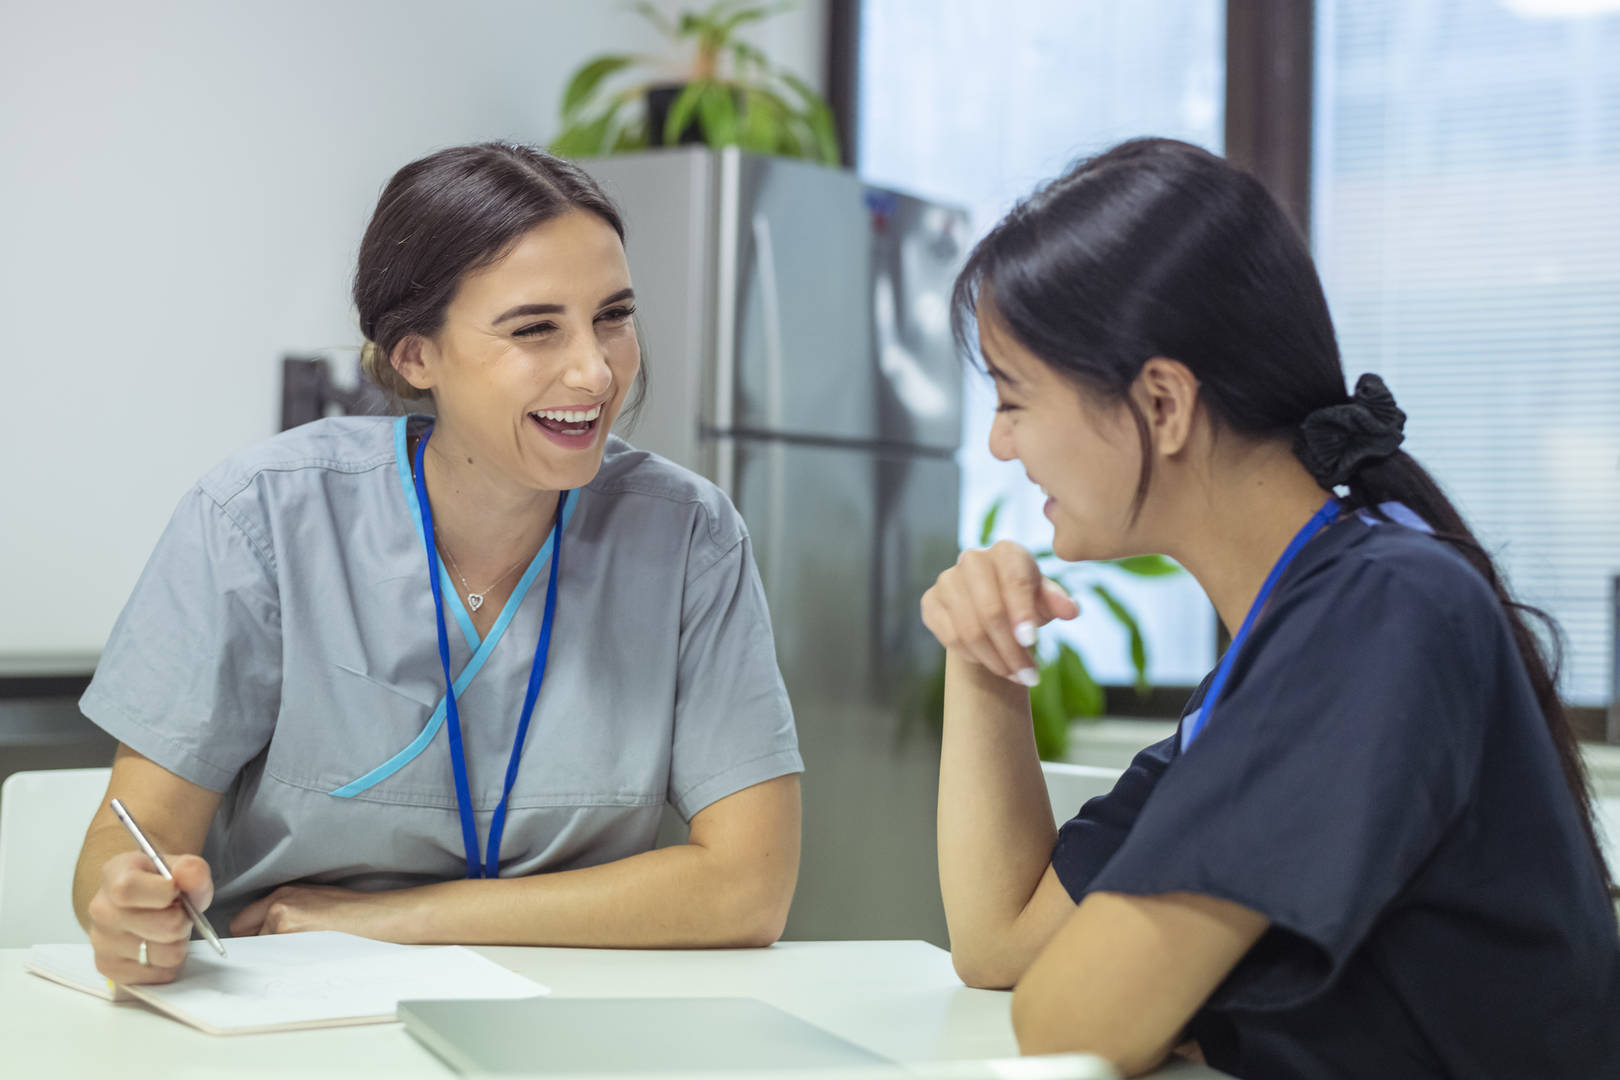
x=1466, y=220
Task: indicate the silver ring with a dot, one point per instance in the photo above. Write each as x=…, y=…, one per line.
x=140, y=955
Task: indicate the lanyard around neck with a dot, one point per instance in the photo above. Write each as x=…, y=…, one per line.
x=491, y=865
x=1196, y=722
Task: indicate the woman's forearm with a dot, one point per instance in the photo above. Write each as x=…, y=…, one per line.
x=174, y=813
x=683, y=896
x=730, y=885
x=995, y=819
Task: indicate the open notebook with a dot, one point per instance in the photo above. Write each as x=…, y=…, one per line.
x=284, y=982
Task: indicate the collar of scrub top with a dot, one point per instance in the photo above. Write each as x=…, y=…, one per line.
x=481, y=648
x=491, y=865
x=1197, y=721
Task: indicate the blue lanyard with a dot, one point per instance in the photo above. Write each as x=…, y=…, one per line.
x=1195, y=723
x=537, y=673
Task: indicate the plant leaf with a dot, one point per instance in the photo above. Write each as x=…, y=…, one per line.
x=1047, y=713
x=1147, y=565
x=826, y=130
x=819, y=116
x=987, y=528
x=747, y=15
x=747, y=54
x=1081, y=694
x=787, y=140
x=587, y=138
x=561, y=142
x=759, y=123
x=681, y=110
x=587, y=79
x=656, y=17
x=717, y=112
x=633, y=136
x=789, y=118
x=1128, y=620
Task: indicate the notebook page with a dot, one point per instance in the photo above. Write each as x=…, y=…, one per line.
x=302, y=980
x=72, y=965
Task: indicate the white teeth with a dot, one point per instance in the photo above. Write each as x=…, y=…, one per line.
x=569, y=416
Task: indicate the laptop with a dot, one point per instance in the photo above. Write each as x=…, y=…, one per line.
x=538, y=1036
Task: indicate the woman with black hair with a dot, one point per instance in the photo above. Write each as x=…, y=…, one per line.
x=1368, y=851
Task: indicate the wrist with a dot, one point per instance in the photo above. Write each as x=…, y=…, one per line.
x=405, y=916
x=965, y=675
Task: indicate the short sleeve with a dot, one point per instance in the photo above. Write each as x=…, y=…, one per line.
x=191, y=675
x=1328, y=774
x=733, y=724
x=1087, y=841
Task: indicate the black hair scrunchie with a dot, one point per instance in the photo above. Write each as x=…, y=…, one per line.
x=1335, y=441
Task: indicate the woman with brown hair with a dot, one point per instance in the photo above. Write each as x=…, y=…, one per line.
x=434, y=678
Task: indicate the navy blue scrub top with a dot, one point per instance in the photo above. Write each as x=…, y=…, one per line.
x=1378, y=781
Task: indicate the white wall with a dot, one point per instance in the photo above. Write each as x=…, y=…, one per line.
x=183, y=190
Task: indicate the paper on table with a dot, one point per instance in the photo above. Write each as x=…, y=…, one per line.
x=286, y=981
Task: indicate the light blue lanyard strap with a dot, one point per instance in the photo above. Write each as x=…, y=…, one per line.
x=1195, y=723
x=490, y=866
x=407, y=480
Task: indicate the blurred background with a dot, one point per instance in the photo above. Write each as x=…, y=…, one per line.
x=185, y=183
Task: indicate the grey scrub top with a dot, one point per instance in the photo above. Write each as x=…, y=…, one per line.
x=279, y=647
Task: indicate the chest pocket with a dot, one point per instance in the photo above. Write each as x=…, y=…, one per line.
x=339, y=723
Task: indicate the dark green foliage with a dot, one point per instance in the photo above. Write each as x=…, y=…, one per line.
x=755, y=106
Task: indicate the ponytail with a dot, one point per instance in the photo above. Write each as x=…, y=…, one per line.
x=1357, y=444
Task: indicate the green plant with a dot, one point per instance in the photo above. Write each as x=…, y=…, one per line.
x=731, y=90
x=1066, y=690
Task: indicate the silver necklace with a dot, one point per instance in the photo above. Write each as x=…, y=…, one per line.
x=475, y=599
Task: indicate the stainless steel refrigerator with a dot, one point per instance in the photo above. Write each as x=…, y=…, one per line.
x=796, y=326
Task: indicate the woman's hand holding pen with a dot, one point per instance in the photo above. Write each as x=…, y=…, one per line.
x=138, y=906
x=988, y=606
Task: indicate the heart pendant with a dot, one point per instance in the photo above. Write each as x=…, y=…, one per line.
x=475, y=600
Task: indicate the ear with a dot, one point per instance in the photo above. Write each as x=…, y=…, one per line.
x=416, y=360
x=1167, y=393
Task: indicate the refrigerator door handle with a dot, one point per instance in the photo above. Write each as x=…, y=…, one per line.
x=771, y=311
x=727, y=292
x=770, y=302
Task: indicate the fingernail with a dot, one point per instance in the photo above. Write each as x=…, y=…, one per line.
x=1029, y=676
x=1024, y=633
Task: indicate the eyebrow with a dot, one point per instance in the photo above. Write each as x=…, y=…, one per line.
x=558, y=309
x=995, y=372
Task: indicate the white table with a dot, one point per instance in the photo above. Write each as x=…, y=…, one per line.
x=899, y=998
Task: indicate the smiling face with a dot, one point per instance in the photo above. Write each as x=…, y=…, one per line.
x=1084, y=455
x=535, y=356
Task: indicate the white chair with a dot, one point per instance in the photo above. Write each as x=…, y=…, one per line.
x=1069, y=786
x=43, y=817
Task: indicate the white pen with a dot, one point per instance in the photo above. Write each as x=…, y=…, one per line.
x=197, y=919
